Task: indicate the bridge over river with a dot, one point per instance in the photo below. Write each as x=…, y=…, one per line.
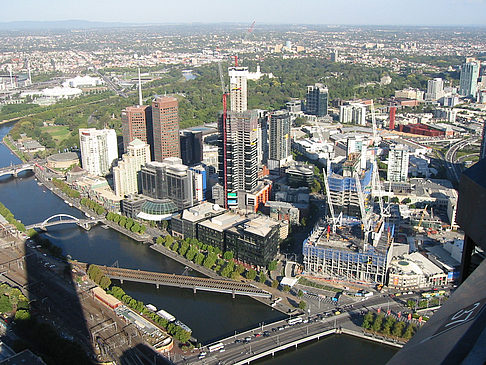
x=63, y=219
x=180, y=281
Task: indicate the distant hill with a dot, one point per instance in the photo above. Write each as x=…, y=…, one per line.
x=60, y=24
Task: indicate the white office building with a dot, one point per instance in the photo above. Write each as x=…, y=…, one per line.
x=98, y=150
x=398, y=159
x=125, y=174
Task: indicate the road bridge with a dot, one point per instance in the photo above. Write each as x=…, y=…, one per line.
x=189, y=282
x=63, y=219
x=14, y=170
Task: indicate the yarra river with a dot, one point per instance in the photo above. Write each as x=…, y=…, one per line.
x=210, y=315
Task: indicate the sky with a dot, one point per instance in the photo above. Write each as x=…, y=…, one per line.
x=362, y=12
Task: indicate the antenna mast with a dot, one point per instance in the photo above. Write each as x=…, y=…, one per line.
x=139, y=89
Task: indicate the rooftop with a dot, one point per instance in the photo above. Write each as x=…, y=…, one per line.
x=224, y=221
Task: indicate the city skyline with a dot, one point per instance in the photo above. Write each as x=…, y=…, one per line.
x=351, y=12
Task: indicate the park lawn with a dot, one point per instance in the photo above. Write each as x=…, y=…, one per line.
x=57, y=132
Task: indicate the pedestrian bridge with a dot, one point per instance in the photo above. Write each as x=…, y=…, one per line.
x=62, y=219
x=189, y=282
x=14, y=170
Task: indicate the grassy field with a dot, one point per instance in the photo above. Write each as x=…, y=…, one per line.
x=58, y=133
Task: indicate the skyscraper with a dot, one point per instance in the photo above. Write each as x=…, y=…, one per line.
x=469, y=78
x=125, y=174
x=398, y=159
x=435, y=89
x=98, y=150
x=191, y=147
x=317, y=99
x=165, y=119
x=238, y=89
x=137, y=124
x=170, y=180
x=241, y=151
x=279, y=133
x=482, y=152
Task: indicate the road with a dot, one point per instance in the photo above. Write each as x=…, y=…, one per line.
x=266, y=337
x=450, y=157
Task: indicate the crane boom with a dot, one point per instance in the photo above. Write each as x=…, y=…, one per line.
x=225, y=111
x=329, y=201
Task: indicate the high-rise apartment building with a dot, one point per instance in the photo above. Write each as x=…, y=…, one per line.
x=238, y=89
x=398, y=159
x=191, y=147
x=241, y=152
x=316, y=100
x=165, y=119
x=99, y=150
x=353, y=113
x=279, y=136
x=435, y=89
x=469, y=78
x=126, y=173
x=137, y=124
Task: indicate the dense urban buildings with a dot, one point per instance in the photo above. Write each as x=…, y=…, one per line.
x=99, y=150
x=165, y=119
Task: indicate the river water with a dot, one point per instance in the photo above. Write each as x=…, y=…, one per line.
x=210, y=315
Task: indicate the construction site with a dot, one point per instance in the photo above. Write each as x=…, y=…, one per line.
x=353, y=243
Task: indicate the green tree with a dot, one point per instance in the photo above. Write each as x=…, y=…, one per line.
x=300, y=293
x=105, y=282
x=251, y=274
x=274, y=283
x=228, y=255
x=302, y=305
x=286, y=288
x=199, y=258
x=262, y=278
x=272, y=265
x=5, y=305
x=377, y=323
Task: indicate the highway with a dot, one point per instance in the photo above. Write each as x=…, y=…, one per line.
x=450, y=157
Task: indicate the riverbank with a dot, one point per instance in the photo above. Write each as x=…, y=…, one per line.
x=9, y=144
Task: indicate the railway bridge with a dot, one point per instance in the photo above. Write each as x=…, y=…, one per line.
x=189, y=282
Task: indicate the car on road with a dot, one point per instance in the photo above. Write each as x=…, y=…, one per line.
x=202, y=355
x=258, y=334
x=238, y=340
x=247, y=339
x=266, y=333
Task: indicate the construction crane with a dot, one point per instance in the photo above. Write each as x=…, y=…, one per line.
x=364, y=214
x=335, y=220
x=422, y=217
x=224, y=90
x=248, y=32
x=373, y=124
